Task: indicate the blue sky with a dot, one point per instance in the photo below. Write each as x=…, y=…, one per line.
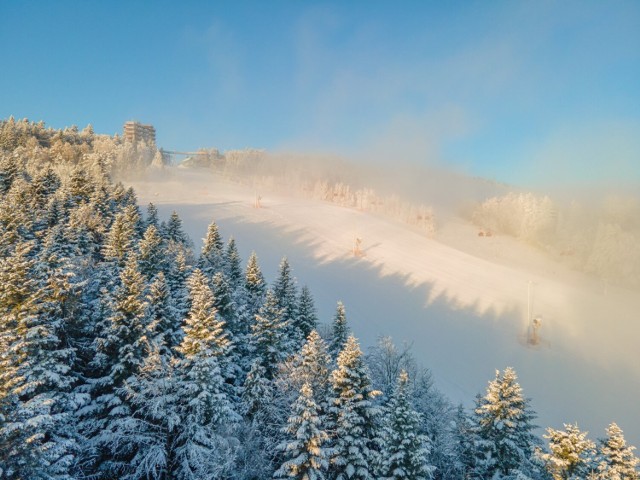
x=525, y=92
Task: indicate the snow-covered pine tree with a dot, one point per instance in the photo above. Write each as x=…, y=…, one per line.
x=149, y=433
x=173, y=231
x=503, y=427
x=285, y=291
x=120, y=240
x=37, y=428
x=79, y=186
x=404, y=449
x=305, y=455
x=223, y=299
x=227, y=308
x=339, y=331
x=462, y=445
x=268, y=339
x=152, y=217
x=255, y=286
x=178, y=272
x=212, y=254
x=44, y=184
x=151, y=255
x=232, y=264
x=311, y=365
x=120, y=348
x=355, y=419
x=257, y=391
x=164, y=329
x=206, y=413
x=307, y=316
x=132, y=214
x=617, y=460
x=571, y=453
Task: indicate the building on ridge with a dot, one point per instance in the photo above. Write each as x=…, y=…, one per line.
x=136, y=131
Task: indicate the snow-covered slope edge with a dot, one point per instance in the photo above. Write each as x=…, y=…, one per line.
x=464, y=311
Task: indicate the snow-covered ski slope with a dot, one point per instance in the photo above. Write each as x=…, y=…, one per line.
x=460, y=299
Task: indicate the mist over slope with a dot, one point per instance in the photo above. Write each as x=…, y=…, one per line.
x=464, y=301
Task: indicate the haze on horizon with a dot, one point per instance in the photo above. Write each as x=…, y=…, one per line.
x=529, y=93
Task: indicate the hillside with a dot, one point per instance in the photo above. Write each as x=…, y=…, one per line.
x=459, y=298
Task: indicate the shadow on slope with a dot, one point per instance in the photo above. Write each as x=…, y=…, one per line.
x=462, y=345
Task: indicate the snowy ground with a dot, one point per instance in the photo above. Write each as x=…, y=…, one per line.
x=459, y=298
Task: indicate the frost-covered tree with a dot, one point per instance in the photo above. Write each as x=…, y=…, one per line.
x=119, y=348
x=354, y=416
x=223, y=298
x=268, y=337
x=254, y=285
x=164, y=322
x=232, y=264
x=37, y=427
x=152, y=217
x=307, y=316
x=570, y=453
x=285, y=291
x=120, y=240
x=257, y=392
x=305, y=456
x=503, y=428
x=617, y=460
x=404, y=450
x=174, y=232
x=206, y=413
x=149, y=433
x=212, y=254
x=339, y=331
x=312, y=365
x=151, y=255
x=462, y=446
x=178, y=272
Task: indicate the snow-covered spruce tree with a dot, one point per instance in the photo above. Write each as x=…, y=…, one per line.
x=164, y=328
x=312, y=365
x=268, y=339
x=147, y=435
x=120, y=240
x=232, y=264
x=132, y=213
x=150, y=432
x=285, y=291
x=152, y=217
x=223, y=299
x=339, y=331
x=203, y=448
x=307, y=316
x=617, y=460
x=503, y=429
x=404, y=450
x=305, y=456
x=254, y=285
x=227, y=308
x=385, y=362
x=212, y=254
x=178, y=271
x=173, y=231
x=151, y=253
x=571, y=453
x=462, y=447
x=354, y=418
x=257, y=392
x=37, y=428
x=119, y=348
